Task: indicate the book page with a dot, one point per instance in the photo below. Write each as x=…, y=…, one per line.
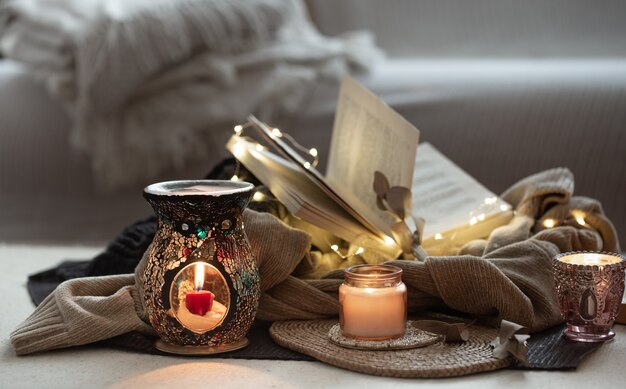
x=295, y=190
x=448, y=198
x=368, y=136
x=310, y=173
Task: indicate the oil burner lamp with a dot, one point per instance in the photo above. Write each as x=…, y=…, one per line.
x=201, y=287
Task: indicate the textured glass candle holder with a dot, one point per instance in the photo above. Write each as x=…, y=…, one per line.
x=201, y=288
x=372, y=302
x=589, y=288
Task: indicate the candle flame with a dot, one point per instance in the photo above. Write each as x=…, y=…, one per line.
x=199, y=276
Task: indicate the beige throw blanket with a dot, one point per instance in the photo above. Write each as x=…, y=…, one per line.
x=154, y=84
x=508, y=276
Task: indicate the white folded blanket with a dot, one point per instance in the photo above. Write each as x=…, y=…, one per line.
x=151, y=84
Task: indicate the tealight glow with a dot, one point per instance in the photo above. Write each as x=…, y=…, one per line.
x=590, y=259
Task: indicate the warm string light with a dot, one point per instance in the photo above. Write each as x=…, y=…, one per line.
x=312, y=151
x=389, y=241
x=491, y=200
x=549, y=223
x=277, y=133
x=259, y=196
x=335, y=249
x=239, y=149
x=489, y=204
x=578, y=215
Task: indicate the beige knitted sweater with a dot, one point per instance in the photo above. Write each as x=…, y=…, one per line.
x=508, y=276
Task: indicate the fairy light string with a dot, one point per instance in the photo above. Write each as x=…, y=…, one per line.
x=311, y=155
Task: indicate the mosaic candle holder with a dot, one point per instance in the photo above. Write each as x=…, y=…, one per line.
x=372, y=302
x=201, y=288
x=589, y=288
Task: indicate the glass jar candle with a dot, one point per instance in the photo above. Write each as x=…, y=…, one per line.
x=372, y=302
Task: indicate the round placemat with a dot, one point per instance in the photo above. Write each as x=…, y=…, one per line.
x=442, y=359
x=412, y=338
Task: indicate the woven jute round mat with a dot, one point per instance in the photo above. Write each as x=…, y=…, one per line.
x=442, y=359
x=412, y=338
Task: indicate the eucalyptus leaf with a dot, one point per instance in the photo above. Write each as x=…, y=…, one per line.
x=399, y=200
x=381, y=204
x=381, y=185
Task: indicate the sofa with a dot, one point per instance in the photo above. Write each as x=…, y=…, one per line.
x=504, y=89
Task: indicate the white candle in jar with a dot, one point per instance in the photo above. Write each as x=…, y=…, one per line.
x=374, y=308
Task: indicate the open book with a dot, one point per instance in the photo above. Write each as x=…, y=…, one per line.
x=456, y=207
x=369, y=136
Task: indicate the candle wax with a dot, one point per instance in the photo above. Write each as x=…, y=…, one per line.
x=199, y=302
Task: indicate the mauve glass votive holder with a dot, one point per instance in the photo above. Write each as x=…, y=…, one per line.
x=589, y=288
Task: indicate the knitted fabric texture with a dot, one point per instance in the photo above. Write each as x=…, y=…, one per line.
x=508, y=276
x=153, y=85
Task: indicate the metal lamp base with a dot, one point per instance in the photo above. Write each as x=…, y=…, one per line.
x=200, y=350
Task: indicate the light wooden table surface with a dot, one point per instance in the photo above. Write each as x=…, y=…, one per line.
x=99, y=367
